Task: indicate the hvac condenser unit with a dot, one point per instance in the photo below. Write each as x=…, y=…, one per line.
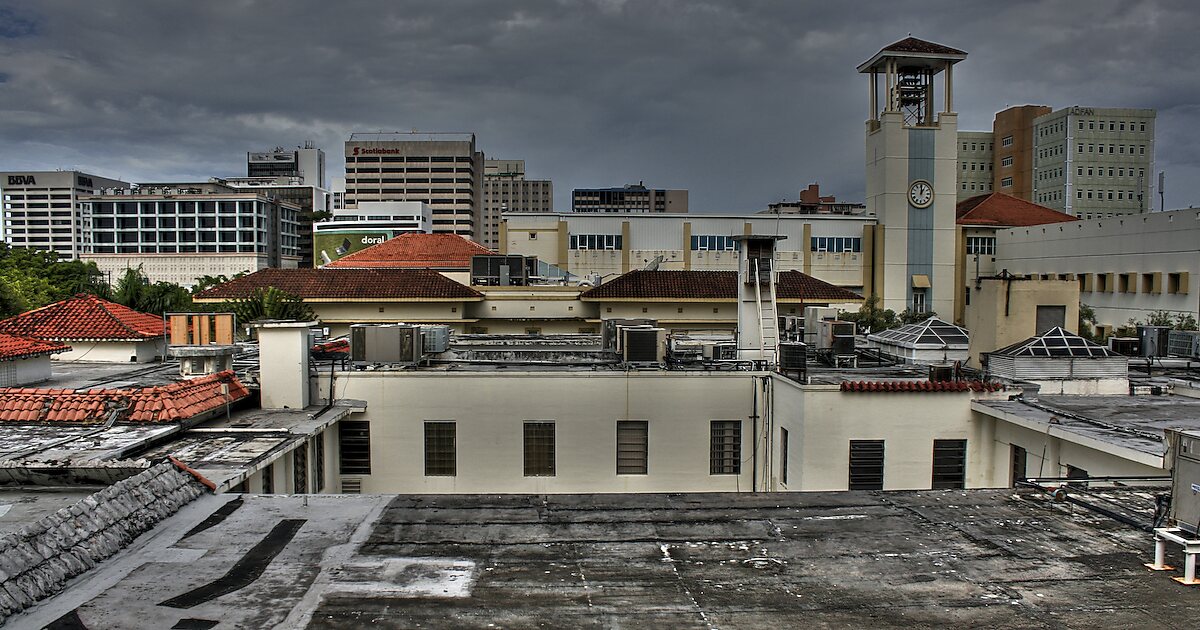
x=643, y=345
x=385, y=343
x=793, y=356
x=836, y=337
x=685, y=349
x=1183, y=343
x=1154, y=340
x=609, y=338
x=1184, y=451
x=436, y=338
x=1127, y=346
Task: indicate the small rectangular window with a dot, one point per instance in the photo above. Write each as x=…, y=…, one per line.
x=725, y=451
x=300, y=469
x=354, y=447
x=268, y=479
x=539, y=449
x=949, y=464
x=783, y=455
x=440, y=449
x=866, y=464
x=632, y=447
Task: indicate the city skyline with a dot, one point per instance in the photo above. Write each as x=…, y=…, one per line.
x=740, y=106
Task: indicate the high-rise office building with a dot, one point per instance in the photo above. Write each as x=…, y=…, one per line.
x=43, y=209
x=1084, y=161
x=630, y=198
x=505, y=189
x=307, y=163
x=444, y=170
x=1094, y=162
x=179, y=232
x=975, y=162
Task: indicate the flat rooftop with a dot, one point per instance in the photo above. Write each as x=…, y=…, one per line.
x=1132, y=422
x=981, y=558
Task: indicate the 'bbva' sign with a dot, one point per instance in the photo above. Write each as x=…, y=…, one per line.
x=21, y=180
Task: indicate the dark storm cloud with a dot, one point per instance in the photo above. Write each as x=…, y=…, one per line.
x=742, y=103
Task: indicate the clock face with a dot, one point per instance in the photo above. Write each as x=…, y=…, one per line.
x=920, y=194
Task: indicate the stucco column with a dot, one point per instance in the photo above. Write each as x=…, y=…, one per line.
x=283, y=352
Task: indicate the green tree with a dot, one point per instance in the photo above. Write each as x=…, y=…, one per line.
x=1087, y=322
x=870, y=317
x=269, y=303
x=134, y=290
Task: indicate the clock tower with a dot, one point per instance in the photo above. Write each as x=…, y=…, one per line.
x=911, y=162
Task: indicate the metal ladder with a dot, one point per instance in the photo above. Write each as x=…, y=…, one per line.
x=768, y=319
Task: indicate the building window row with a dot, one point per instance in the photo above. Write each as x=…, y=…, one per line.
x=836, y=244
x=978, y=166
x=978, y=146
x=981, y=185
x=1105, y=195
x=1007, y=182
x=1112, y=125
x=713, y=243
x=1006, y=161
x=539, y=448
x=1113, y=149
x=595, y=241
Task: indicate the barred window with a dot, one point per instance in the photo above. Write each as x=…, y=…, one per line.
x=440, y=449
x=539, y=449
x=300, y=469
x=632, y=447
x=595, y=241
x=836, y=244
x=983, y=245
x=354, y=447
x=725, y=453
x=713, y=243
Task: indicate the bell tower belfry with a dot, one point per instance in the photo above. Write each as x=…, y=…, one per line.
x=911, y=162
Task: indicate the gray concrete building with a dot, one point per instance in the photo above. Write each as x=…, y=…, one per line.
x=629, y=198
x=43, y=210
x=306, y=162
x=180, y=232
x=505, y=189
x=975, y=163
x=1094, y=163
x=444, y=170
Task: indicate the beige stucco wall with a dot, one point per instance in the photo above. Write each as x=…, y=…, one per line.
x=113, y=351
x=991, y=328
x=490, y=409
x=338, y=316
x=822, y=424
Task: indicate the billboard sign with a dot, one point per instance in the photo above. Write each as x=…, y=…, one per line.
x=329, y=246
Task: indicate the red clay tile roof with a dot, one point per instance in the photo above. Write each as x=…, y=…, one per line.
x=914, y=45
x=712, y=285
x=14, y=347
x=920, y=386
x=341, y=284
x=85, y=317
x=167, y=403
x=1001, y=210
x=423, y=251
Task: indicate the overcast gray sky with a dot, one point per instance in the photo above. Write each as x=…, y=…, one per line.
x=742, y=103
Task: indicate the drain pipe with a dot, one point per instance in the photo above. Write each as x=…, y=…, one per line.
x=753, y=435
x=1061, y=495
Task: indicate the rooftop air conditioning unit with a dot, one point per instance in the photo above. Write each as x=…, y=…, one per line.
x=643, y=345
x=1127, y=346
x=1183, y=343
x=1155, y=340
x=793, y=356
x=609, y=339
x=1183, y=451
x=685, y=349
x=436, y=338
x=385, y=343
x=836, y=337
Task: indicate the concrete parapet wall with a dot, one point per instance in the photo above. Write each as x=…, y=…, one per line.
x=37, y=560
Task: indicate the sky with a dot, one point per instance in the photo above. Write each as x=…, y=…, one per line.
x=742, y=103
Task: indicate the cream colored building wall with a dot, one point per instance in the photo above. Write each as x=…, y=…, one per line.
x=992, y=329
x=489, y=410
x=338, y=316
x=112, y=351
x=845, y=269
x=695, y=316
x=908, y=423
x=182, y=269
x=1159, y=242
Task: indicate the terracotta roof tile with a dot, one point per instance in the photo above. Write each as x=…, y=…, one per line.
x=85, y=317
x=1001, y=210
x=175, y=402
x=919, y=386
x=16, y=347
x=333, y=346
x=345, y=283
x=425, y=251
x=713, y=285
